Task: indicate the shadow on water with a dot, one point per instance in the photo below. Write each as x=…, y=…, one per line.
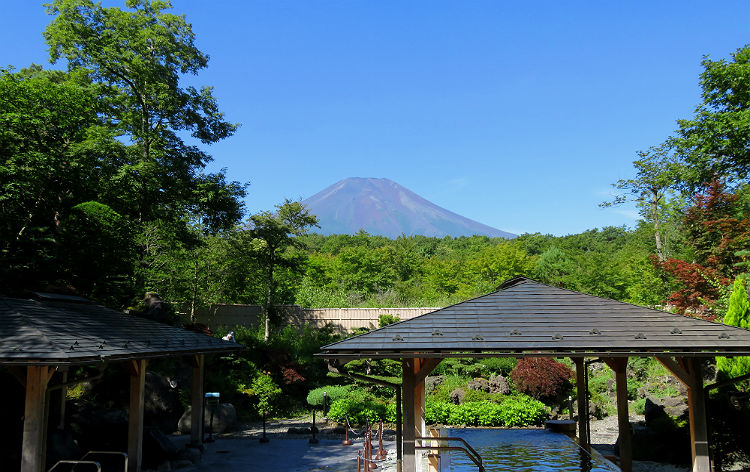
x=522, y=450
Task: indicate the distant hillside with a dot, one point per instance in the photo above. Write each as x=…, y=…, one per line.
x=383, y=207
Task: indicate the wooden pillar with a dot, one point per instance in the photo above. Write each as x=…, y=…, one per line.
x=135, y=414
x=688, y=371
x=409, y=386
x=34, y=426
x=697, y=408
x=196, y=419
x=583, y=425
x=414, y=373
x=619, y=366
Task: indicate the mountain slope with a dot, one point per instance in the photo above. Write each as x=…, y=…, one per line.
x=383, y=207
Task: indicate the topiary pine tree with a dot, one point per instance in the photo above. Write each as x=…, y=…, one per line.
x=738, y=315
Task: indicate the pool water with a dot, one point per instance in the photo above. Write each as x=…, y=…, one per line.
x=520, y=450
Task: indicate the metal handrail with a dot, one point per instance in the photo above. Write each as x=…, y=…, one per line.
x=110, y=453
x=94, y=463
x=476, y=460
x=469, y=451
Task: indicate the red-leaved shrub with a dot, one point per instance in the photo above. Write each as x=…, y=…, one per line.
x=541, y=377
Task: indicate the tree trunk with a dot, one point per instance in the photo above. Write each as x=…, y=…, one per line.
x=657, y=229
x=269, y=293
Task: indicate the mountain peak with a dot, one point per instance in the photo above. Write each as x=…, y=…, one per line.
x=381, y=206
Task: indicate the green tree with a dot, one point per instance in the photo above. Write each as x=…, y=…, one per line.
x=716, y=141
x=56, y=153
x=738, y=315
x=138, y=56
x=658, y=173
x=270, y=236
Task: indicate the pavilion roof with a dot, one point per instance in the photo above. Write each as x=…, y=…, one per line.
x=526, y=318
x=66, y=331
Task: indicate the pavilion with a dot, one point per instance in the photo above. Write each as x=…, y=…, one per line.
x=40, y=339
x=526, y=318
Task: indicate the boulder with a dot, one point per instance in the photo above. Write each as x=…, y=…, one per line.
x=499, y=385
x=162, y=407
x=296, y=430
x=431, y=382
x=60, y=445
x=457, y=396
x=658, y=408
x=224, y=417
x=157, y=448
x=192, y=454
x=480, y=385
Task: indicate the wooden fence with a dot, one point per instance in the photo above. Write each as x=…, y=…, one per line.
x=342, y=319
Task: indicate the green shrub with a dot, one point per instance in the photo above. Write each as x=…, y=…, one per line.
x=514, y=411
x=443, y=391
x=480, y=396
x=333, y=392
x=521, y=410
x=499, y=365
x=359, y=406
x=385, y=320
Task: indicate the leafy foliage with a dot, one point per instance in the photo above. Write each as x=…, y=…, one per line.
x=332, y=392
x=738, y=315
x=359, y=407
x=541, y=377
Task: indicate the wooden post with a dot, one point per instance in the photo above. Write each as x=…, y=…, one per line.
x=698, y=425
x=34, y=427
x=619, y=366
x=409, y=385
x=583, y=436
x=688, y=371
x=414, y=373
x=135, y=414
x=196, y=417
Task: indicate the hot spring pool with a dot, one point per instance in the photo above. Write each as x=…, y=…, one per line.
x=520, y=450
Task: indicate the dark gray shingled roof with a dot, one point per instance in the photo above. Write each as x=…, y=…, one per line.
x=525, y=316
x=58, y=332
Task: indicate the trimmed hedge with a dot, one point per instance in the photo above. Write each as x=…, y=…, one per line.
x=333, y=392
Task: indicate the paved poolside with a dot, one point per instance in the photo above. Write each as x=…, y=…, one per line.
x=286, y=455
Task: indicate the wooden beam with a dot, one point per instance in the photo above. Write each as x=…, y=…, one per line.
x=697, y=410
x=583, y=436
x=33, y=450
x=196, y=419
x=426, y=367
x=619, y=366
x=18, y=373
x=676, y=368
x=135, y=414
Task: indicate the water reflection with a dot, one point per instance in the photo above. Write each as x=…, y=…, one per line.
x=521, y=450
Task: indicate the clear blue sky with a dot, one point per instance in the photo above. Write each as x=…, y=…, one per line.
x=516, y=114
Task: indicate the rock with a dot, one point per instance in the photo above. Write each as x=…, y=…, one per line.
x=192, y=454
x=658, y=408
x=60, y=445
x=499, y=385
x=431, y=382
x=480, y=385
x=181, y=464
x=97, y=429
x=225, y=416
x=157, y=447
x=662, y=446
x=164, y=467
x=162, y=406
x=457, y=396
x=295, y=430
